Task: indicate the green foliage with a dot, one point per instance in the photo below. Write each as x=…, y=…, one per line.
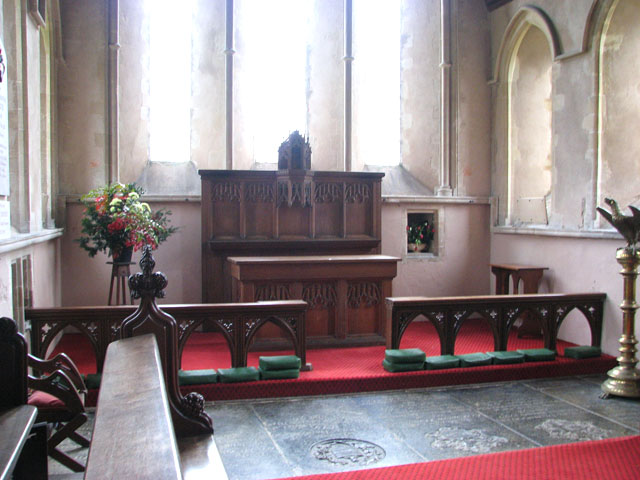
x=419, y=233
x=115, y=218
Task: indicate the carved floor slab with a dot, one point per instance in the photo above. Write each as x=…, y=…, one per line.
x=275, y=438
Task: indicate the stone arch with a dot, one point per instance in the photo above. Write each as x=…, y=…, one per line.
x=526, y=17
x=618, y=150
x=523, y=77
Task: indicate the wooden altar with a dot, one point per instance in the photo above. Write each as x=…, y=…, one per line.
x=292, y=211
x=345, y=294
x=284, y=212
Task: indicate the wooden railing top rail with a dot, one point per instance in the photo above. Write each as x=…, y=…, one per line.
x=237, y=321
x=200, y=309
x=133, y=435
x=447, y=314
x=494, y=299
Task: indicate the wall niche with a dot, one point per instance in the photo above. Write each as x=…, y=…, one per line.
x=422, y=233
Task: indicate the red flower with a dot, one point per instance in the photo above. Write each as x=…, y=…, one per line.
x=117, y=224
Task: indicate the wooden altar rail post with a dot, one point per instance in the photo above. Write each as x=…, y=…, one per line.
x=238, y=322
x=447, y=314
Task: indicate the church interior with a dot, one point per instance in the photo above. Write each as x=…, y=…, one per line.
x=293, y=138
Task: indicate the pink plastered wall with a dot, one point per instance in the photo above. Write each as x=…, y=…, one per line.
x=576, y=265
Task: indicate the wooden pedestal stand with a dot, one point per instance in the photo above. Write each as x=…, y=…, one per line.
x=624, y=380
x=120, y=273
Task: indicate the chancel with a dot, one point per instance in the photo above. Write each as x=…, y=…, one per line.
x=370, y=239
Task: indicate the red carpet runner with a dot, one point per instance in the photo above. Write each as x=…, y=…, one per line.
x=350, y=370
x=611, y=459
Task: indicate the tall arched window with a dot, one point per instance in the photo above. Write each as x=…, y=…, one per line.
x=619, y=108
x=529, y=124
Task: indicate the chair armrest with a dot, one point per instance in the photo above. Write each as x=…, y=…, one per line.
x=60, y=362
x=60, y=386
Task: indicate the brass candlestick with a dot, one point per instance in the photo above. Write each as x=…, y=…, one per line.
x=624, y=380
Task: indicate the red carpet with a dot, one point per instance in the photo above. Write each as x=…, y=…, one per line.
x=349, y=370
x=610, y=459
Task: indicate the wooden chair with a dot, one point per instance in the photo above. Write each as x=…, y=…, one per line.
x=59, y=395
x=58, y=392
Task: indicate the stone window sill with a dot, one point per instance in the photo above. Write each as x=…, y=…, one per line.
x=25, y=240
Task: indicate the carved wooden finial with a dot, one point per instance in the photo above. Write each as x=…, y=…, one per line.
x=294, y=153
x=147, y=283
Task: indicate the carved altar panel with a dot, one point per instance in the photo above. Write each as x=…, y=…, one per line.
x=294, y=221
x=364, y=306
x=259, y=200
x=225, y=208
x=292, y=212
x=322, y=299
x=359, y=207
x=345, y=293
x=329, y=209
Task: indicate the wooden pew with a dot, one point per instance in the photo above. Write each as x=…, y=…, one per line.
x=447, y=314
x=133, y=435
x=140, y=399
x=15, y=425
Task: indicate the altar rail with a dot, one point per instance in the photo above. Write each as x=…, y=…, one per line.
x=238, y=322
x=447, y=314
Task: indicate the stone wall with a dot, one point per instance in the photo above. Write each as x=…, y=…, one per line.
x=572, y=243
x=587, y=157
x=464, y=221
x=29, y=251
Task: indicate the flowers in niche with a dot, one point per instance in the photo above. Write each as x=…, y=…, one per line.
x=420, y=233
x=115, y=218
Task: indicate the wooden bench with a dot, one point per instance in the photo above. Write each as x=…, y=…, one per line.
x=133, y=434
x=15, y=425
x=447, y=314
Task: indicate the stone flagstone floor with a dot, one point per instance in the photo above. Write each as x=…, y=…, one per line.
x=271, y=438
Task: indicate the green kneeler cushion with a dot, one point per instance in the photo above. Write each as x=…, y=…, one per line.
x=197, y=377
x=279, y=362
x=474, y=359
x=402, y=367
x=240, y=374
x=279, y=374
x=441, y=362
x=583, y=351
x=538, y=354
x=92, y=380
x=502, y=357
x=404, y=355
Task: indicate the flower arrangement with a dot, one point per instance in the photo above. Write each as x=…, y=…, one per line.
x=115, y=219
x=420, y=234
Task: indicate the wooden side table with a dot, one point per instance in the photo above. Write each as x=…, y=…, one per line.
x=530, y=277
x=120, y=272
